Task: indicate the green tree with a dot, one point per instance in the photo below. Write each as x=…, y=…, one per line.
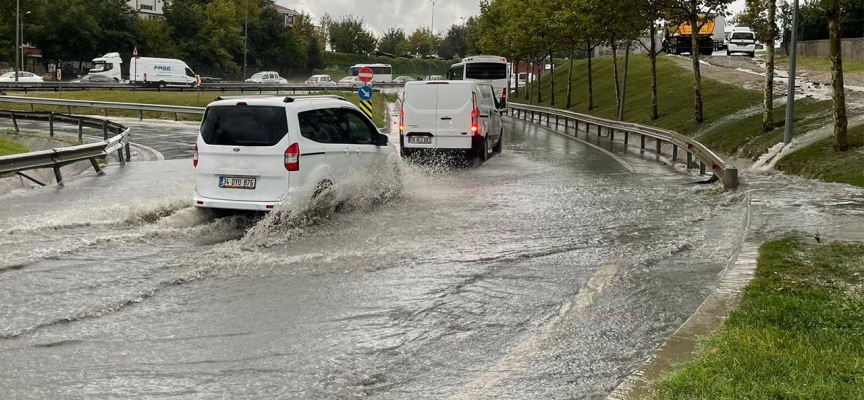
x=155, y=39
x=220, y=36
x=389, y=42
x=274, y=46
x=420, y=43
x=455, y=42
x=760, y=16
x=691, y=11
x=350, y=35
x=833, y=11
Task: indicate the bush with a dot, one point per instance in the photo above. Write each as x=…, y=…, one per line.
x=401, y=66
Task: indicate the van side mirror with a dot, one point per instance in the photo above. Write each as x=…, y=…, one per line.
x=382, y=140
x=502, y=104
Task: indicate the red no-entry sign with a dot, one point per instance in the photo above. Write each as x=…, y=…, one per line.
x=365, y=74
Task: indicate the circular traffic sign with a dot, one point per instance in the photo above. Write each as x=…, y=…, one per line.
x=365, y=74
x=365, y=93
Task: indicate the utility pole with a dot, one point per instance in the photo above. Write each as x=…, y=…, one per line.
x=17, y=35
x=790, y=93
x=245, y=39
x=432, y=32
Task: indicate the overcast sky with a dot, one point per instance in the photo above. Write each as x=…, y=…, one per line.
x=407, y=14
x=382, y=15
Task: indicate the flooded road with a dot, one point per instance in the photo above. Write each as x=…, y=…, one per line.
x=551, y=271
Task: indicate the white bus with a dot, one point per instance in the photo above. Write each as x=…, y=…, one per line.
x=380, y=72
x=493, y=70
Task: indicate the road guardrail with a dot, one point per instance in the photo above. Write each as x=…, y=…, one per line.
x=61, y=156
x=672, y=141
x=205, y=87
x=104, y=105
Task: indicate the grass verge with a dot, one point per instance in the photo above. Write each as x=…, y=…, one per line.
x=820, y=161
x=798, y=332
x=170, y=98
x=821, y=64
x=9, y=146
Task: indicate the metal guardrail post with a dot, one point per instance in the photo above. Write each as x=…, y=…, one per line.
x=626, y=138
x=128, y=152
x=674, y=153
x=731, y=177
x=96, y=166
x=80, y=130
x=57, y=174
x=689, y=160
x=51, y=124
x=612, y=134
x=140, y=115
x=104, y=112
x=556, y=122
x=701, y=168
x=566, y=125
x=659, y=146
x=642, y=142
x=175, y=117
x=31, y=104
x=15, y=122
x=69, y=110
x=105, y=129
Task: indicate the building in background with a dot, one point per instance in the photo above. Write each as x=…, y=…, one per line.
x=287, y=13
x=147, y=8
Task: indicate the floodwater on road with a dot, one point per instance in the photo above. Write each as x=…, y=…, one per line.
x=551, y=271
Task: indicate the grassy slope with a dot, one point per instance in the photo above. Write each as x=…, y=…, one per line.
x=170, y=98
x=675, y=93
x=797, y=334
x=675, y=99
x=821, y=63
x=8, y=146
x=822, y=162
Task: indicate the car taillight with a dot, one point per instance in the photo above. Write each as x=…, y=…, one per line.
x=292, y=157
x=475, y=115
x=401, y=120
x=195, y=157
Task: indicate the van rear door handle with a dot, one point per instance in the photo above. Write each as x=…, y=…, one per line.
x=446, y=118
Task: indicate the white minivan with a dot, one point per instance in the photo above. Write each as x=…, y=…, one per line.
x=461, y=116
x=160, y=72
x=258, y=152
x=741, y=40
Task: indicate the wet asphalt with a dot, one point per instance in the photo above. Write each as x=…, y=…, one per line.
x=552, y=271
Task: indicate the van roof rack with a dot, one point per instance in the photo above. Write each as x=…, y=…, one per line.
x=244, y=97
x=289, y=99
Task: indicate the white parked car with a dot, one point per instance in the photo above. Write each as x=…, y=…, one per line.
x=741, y=40
x=320, y=81
x=259, y=152
x=23, y=76
x=351, y=81
x=266, y=77
x=459, y=116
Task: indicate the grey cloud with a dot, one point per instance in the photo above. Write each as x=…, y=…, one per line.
x=382, y=15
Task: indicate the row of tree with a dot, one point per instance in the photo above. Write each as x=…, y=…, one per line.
x=534, y=30
x=208, y=34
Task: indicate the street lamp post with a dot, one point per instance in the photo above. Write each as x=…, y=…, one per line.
x=17, y=32
x=23, y=58
x=790, y=91
x=245, y=38
x=432, y=32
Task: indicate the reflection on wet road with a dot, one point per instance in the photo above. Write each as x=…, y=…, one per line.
x=551, y=271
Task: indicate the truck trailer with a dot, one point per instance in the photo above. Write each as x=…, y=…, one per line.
x=678, y=36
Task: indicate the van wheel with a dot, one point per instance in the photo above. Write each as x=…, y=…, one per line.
x=484, y=150
x=500, y=145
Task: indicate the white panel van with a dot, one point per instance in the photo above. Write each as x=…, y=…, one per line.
x=457, y=116
x=160, y=72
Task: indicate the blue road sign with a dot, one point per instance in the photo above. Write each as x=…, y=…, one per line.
x=365, y=93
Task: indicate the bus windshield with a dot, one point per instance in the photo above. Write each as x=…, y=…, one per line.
x=486, y=71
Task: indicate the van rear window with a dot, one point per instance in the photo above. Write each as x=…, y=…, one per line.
x=244, y=125
x=486, y=71
x=742, y=35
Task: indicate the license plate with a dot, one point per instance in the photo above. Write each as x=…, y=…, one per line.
x=237, y=182
x=420, y=139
